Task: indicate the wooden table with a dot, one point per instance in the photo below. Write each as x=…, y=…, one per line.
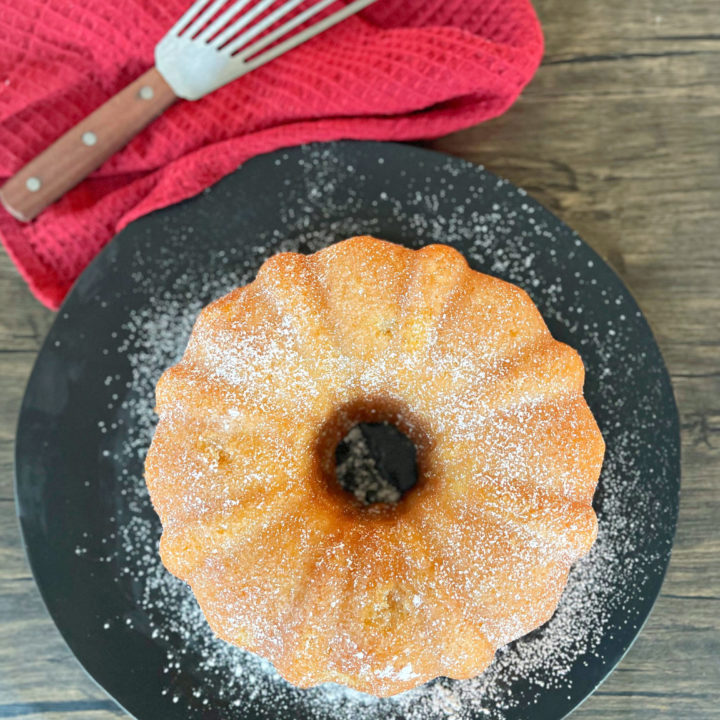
x=619, y=135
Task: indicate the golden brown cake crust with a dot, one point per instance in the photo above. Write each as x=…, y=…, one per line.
x=285, y=563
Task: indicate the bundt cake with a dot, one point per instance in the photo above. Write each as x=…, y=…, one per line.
x=287, y=564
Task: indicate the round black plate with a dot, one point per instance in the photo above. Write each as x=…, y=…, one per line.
x=87, y=418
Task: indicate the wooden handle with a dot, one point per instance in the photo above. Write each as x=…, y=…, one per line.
x=86, y=146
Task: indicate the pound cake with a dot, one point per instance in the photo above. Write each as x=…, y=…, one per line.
x=287, y=564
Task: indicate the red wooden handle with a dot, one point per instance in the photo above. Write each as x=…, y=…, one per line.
x=85, y=147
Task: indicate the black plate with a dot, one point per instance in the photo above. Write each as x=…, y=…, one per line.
x=86, y=421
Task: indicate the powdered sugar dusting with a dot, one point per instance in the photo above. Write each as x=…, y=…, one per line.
x=500, y=239
x=358, y=472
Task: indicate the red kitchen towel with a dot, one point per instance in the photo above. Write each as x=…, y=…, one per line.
x=401, y=71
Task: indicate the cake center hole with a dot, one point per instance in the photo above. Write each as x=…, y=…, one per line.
x=376, y=462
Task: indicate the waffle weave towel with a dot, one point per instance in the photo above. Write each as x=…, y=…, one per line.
x=403, y=70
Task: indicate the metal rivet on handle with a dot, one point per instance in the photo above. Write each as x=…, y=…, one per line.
x=33, y=184
x=146, y=92
x=89, y=138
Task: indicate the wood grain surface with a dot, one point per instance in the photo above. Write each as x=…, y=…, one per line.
x=619, y=135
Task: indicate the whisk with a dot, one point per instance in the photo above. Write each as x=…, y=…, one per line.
x=213, y=43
